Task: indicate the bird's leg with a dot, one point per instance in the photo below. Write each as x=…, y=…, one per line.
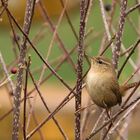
x=108, y=111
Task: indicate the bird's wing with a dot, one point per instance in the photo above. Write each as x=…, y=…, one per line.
x=116, y=91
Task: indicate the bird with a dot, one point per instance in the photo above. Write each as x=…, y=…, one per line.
x=102, y=83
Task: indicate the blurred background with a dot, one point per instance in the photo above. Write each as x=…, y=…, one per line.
x=52, y=90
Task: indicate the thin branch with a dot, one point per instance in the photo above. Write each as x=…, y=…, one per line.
x=44, y=66
x=108, y=45
x=56, y=28
x=132, y=63
x=39, y=54
x=112, y=118
x=104, y=19
x=131, y=94
x=132, y=75
x=6, y=73
x=116, y=49
x=13, y=31
x=132, y=9
x=25, y=98
x=35, y=121
x=98, y=120
x=65, y=101
x=69, y=21
x=107, y=23
x=130, y=60
x=132, y=51
x=2, y=11
x=84, y=7
x=17, y=94
x=127, y=51
x=52, y=27
x=123, y=117
x=43, y=101
x=133, y=25
x=43, y=81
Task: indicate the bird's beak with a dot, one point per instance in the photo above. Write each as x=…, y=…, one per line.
x=91, y=57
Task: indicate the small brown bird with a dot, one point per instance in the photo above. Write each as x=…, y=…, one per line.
x=102, y=84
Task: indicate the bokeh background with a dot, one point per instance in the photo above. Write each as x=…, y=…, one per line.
x=52, y=90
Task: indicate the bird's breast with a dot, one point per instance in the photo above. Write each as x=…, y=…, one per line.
x=99, y=87
x=95, y=79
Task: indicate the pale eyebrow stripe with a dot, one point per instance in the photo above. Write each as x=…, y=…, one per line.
x=105, y=62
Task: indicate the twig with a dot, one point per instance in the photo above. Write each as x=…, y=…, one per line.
x=25, y=98
x=84, y=121
x=44, y=66
x=13, y=31
x=52, y=27
x=17, y=94
x=113, y=117
x=38, y=36
x=132, y=75
x=55, y=30
x=104, y=19
x=69, y=21
x=123, y=117
x=2, y=11
x=127, y=51
x=34, y=48
x=123, y=48
x=132, y=9
x=39, y=54
x=130, y=60
x=133, y=25
x=6, y=73
x=108, y=45
x=131, y=94
x=41, y=97
x=132, y=51
x=83, y=108
x=43, y=81
x=84, y=7
x=65, y=100
x=52, y=40
x=137, y=2
x=116, y=49
x=98, y=120
x=36, y=123
x=112, y=13
x=107, y=34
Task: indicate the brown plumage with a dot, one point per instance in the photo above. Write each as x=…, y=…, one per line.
x=102, y=83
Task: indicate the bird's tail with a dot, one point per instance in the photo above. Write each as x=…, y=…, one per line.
x=124, y=88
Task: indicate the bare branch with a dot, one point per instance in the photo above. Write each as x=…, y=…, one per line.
x=132, y=51
x=17, y=94
x=25, y=99
x=113, y=117
x=116, y=49
x=84, y=7
x=132, y=9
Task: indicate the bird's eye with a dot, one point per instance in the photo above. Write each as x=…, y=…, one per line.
x=100, y=61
